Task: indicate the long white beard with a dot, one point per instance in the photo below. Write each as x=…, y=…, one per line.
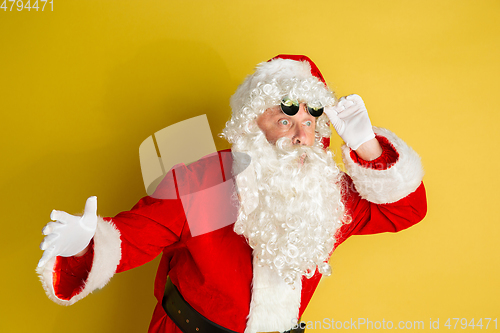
x=292, y=229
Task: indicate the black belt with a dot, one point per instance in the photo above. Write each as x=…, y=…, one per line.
x=191, y=321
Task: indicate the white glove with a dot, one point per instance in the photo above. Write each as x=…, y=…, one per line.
x=70, y=234
x=350, y=119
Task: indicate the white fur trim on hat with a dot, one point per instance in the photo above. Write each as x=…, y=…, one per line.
x=107, y=255
x=275, y=304
x=392, y=184
x=282, y=68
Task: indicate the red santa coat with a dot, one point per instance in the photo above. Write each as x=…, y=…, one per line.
x=213, y=271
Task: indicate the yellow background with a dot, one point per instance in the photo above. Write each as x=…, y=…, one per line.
x=81, y=87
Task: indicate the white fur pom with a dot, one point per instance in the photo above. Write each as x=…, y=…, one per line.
x=390, y=185
x=107, y=255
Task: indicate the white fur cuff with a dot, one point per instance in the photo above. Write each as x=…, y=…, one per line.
x=107, y=255
x=392, y=184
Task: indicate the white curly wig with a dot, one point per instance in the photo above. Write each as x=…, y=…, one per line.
x=290, y=198
x=281, y=76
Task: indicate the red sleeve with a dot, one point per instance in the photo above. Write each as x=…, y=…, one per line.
x=70, y=273
x=370, y=218
x=150, y=226
x=143, y=232
x=388, y=158
x=140, y=234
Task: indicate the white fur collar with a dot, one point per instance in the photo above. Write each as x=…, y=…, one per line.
x=275, y=304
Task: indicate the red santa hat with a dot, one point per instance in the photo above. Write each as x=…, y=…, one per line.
x=267, y=86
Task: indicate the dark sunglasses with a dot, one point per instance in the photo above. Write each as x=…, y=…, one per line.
x=291, y=107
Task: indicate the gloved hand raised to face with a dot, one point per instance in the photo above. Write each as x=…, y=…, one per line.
x=350, y=119
x=70, y=234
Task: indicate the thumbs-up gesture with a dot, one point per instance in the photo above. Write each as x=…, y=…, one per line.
x=69, y=234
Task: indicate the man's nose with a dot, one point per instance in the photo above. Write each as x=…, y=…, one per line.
x=300, y=135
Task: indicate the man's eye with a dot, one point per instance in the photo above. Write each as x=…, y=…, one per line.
x=308, y=123
x=284, y=122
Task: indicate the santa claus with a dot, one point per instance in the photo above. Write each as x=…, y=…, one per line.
x=295, y=206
